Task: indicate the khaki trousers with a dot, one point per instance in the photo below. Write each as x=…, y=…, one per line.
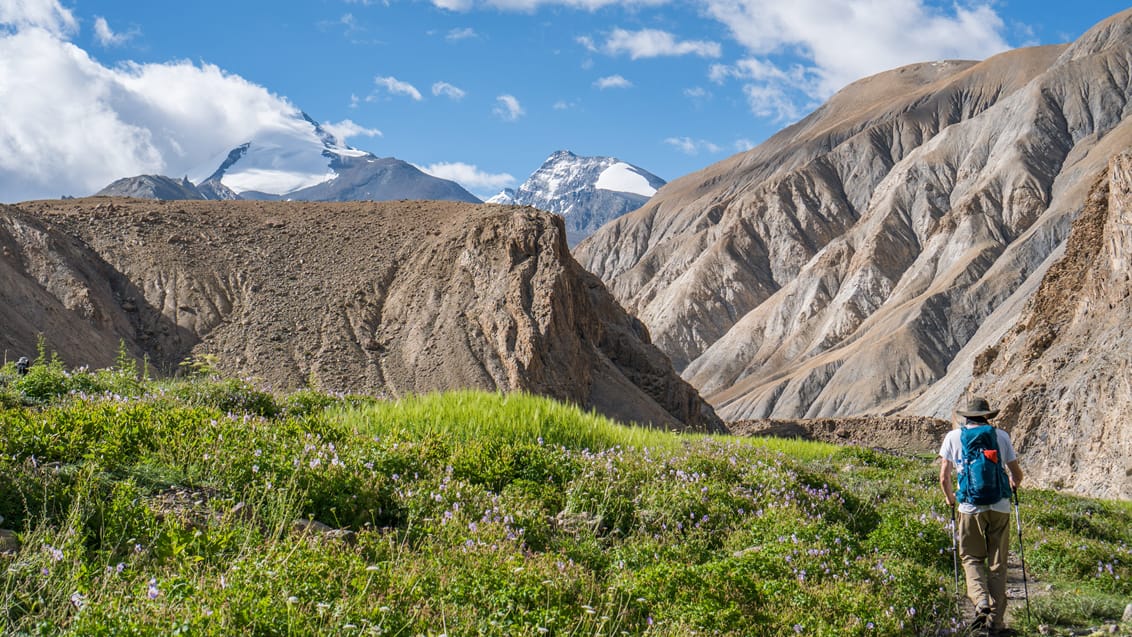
x=984, y=541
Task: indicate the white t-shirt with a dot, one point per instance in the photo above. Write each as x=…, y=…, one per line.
x=952, y=449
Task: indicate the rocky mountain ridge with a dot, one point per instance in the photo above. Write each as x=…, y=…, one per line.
x=587, y=191
x=389, y=298
x=856, y=262
x=154, y=187
x=297, y=161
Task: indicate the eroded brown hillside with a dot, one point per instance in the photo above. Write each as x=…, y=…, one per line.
x=858, y=261
x=1064, y=372
x=391, y=298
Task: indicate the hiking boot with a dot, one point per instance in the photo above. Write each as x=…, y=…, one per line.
x=1003, y=631
x=982, y=622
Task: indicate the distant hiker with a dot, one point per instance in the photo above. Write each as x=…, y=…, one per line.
x=22, y=366
x=981, y=453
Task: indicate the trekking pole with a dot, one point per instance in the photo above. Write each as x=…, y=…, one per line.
x=955, y=554
x=954, y=557
x=1022, y=555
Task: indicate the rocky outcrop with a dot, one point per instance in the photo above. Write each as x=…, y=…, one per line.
x=858, y=261
x=1063, y=373
x=152, y=187
x=392, y=298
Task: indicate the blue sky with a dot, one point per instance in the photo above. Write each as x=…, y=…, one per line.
x=480, y=91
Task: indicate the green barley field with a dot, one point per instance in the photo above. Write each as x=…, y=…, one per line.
x=203, y=506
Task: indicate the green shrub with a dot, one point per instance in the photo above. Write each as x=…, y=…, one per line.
x=1076, y=608
x=496, y=463
x=10, y=397
x=918, y=537
x=867, y=457
x=229, y=395
x=306, y=402
x=46, y=379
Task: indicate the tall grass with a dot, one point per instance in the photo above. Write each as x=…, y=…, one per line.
x=523, y=418
x=512, y=418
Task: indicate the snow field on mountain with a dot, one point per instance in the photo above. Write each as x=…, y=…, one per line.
x=622, y=177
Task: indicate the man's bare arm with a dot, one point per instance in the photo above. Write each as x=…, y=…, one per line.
x=945, y=483
x=1016, y=474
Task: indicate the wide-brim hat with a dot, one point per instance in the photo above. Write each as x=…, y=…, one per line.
x=976, y=407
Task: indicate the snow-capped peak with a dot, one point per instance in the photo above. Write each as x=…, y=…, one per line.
x=293, y=154
x=586, y=191
x=505, y=197
x=564, y=173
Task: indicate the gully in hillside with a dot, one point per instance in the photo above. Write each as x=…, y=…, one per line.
x=987, y=470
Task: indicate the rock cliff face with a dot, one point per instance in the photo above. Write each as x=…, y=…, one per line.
x=1063, y=373
x=391, y=297
x=857, y=262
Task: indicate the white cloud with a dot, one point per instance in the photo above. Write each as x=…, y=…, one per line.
x=696, y=92
x=71, y=125
x=470, y=177
x=106, y=36
x=650, y=43
x=507, y=108
x=352, y=29
x=763, y=71
x=563, y=105
x=743, y=145
x=454, y=5
x=448, y=90
x=44, y=14
x=397, y=87
x=690, y=146
x=845, y=40
x=461, y=34
x=612, y=81
x=772, y=102
x=348, y=128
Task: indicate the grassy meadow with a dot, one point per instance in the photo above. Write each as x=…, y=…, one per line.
x=202, y=506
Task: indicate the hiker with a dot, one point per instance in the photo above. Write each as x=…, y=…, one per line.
x=22, y=366
x=984, y=491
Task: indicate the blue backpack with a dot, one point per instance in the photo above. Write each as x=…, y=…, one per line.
x=982, y=476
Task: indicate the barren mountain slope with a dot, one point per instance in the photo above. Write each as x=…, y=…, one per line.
x=1063, y=373
x=840, y=267
x=393, y=297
